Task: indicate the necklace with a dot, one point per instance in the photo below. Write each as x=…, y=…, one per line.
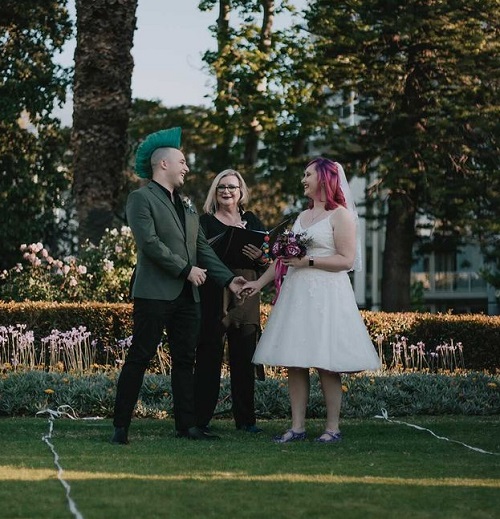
x=314, y=217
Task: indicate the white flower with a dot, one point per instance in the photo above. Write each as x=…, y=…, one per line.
x=73, y=282
x=108, y=265
x=82, y=269
x=188, y=204
x=126, y=231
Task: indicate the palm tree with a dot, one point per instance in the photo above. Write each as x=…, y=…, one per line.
x=102, y=99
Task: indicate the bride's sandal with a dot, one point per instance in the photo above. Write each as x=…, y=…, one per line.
x=290, y=436
x=331, y=437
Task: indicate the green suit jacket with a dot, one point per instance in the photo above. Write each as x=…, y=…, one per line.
x=164, y=248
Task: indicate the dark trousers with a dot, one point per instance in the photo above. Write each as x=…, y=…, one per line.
x=181, y=319
x=209, y=354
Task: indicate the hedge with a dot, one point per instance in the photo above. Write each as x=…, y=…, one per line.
x=108, y=323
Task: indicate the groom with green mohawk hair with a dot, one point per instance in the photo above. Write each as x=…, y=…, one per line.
x=170, y=138
x=173, y=260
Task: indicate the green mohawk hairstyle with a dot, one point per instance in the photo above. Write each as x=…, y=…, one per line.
x=170, y=138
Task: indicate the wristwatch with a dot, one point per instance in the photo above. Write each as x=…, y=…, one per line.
x=311, y=261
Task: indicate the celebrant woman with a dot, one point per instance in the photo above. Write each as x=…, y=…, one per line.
x=315, y=322
x=223, y=316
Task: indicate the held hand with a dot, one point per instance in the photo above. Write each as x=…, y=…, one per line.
x=236, y=286
x=251, y=288
x=197, y=276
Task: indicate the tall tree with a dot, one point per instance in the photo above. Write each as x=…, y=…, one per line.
x=241, y=65
x=102, y=99
x=266, y=100
x=31, y=142
x=426, y=76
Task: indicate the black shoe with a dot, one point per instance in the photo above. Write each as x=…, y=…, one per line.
x=120, y=436
x=196, y=433
x=249, y=428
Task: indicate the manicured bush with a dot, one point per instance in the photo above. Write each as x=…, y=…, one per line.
x=109, y=323
x=479, y=334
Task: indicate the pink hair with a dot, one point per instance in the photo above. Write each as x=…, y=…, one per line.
x=328, y=179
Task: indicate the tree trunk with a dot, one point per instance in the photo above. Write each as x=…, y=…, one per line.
x=254, y=128
x=222, y=151
x=397, y=260
x=102, y=100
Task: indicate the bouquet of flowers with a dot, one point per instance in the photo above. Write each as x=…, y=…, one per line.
x=287, y=245
x=290, y=245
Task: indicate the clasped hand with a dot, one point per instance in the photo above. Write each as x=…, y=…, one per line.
x=250, y=289
x=198, y=276
x=236, y=286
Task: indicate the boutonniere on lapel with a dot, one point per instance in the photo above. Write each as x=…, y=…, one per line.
x=186, y=202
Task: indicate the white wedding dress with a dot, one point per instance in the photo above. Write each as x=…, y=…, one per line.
x=315, y=322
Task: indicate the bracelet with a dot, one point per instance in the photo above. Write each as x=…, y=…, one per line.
x=263, y=260
x=311, y=261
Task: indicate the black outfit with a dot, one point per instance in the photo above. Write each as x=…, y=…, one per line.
x=241, y=325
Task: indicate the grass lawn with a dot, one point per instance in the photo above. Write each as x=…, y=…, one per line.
x=380, y=469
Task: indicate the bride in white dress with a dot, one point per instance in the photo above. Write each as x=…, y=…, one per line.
x=315, y=322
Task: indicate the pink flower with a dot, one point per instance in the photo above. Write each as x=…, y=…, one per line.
x=108, y=265
x=292, y=249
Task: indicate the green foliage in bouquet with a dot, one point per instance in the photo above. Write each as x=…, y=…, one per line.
x=100, y=272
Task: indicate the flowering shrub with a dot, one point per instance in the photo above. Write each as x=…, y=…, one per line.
x=100, y=272
x=70, y=351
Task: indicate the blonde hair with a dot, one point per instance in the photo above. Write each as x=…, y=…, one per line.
x=210, y=205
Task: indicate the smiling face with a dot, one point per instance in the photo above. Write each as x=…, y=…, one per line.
x=169, y=167
x=310, y=182
x=228, y=192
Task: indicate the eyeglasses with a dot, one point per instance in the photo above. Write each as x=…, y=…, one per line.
x=222, y=187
